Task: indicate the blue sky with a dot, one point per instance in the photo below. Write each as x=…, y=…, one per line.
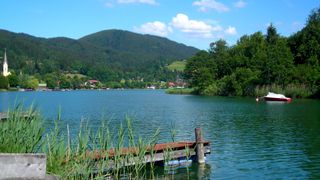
x=192, y=22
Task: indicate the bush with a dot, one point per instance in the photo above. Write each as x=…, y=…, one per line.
x=180, y=91
x=4, y=84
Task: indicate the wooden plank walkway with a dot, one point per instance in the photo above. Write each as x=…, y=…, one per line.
x=5, y=116
x=158, y=148
x=162, y=153
x=195, y=150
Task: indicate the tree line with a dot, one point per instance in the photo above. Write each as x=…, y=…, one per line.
x=259, y=63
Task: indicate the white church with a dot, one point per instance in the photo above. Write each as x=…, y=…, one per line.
x=5, y=71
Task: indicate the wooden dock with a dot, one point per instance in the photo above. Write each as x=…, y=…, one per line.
x=4, y=115
x=159, y=153
x=17, y=166
x=158, y=150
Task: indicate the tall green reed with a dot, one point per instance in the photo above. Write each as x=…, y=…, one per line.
x=22, y=131
x=85, y=156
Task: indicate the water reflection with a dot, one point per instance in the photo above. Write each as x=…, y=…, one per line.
x=193, y=171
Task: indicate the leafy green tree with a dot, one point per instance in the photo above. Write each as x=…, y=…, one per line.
x=305, y=46
x=76, y=82
x=250, y=51
x=13, y=80
x=201, y=70
x=3, y=82
x=219, y=52
x=32, y=83
x=51, y=80
x=279, y=65
x=272, y=35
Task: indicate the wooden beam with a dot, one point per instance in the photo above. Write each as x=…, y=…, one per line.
x=199, y=146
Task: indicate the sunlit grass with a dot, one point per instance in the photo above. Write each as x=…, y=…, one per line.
x=291, y=90
x=180, y=91
x=85, y=156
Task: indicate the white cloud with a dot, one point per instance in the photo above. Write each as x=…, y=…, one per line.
x=230, y=31
x=194, y=27
x=151, y=2
x=155, y=28
x=240, y=4
x=206, y=5
x=108, y=4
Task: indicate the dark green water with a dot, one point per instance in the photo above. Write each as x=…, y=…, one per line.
x=249, y=140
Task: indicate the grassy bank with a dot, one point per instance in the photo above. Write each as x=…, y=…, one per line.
x=180, y=91
x=73, y=158
x=291, y=90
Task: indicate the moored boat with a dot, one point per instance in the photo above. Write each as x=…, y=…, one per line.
x=276, y=97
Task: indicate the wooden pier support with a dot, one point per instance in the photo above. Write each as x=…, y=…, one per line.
x=199, y=146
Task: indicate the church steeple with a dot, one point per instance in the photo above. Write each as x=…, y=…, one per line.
x=5, y=57
x=5, y=71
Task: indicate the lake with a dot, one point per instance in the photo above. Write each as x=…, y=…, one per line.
x=249, y=140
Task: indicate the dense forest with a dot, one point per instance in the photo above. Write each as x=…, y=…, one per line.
x=114, y=57
x=259, y=63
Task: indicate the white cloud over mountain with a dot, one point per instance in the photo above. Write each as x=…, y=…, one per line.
x=194, y=27
x=155, y=28
x=206, y=5
x=191, y=28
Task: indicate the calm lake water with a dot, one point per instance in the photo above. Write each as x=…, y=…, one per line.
x=250, y=140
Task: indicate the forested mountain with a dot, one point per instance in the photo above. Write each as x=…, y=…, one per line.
x=134, y=51
x=109, y=55
x=259, y=63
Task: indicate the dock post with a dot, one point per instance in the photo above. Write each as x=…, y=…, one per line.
x=199, y=146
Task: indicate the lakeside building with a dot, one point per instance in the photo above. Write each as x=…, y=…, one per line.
x=5, y=71
x=92, y=83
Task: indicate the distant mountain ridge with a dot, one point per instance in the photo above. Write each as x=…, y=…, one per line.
x=125, y=47
x=121, y=53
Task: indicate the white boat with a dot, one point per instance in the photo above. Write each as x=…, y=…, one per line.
x=276, y=97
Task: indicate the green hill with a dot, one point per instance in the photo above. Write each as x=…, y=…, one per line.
x=107, y=55
x=136, y=51
x=178, y=66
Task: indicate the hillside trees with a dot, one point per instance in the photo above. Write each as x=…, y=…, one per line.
x=305, y=46
x=289, y=64
x=107, y=56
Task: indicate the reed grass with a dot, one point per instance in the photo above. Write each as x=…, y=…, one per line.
x=180, y=91
x=291, y=90
x=22, y=132
x=84, y=157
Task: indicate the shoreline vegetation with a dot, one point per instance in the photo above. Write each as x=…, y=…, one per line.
x=69, y=157
x=293, y=91
x=259, y=63
x=180, y=91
